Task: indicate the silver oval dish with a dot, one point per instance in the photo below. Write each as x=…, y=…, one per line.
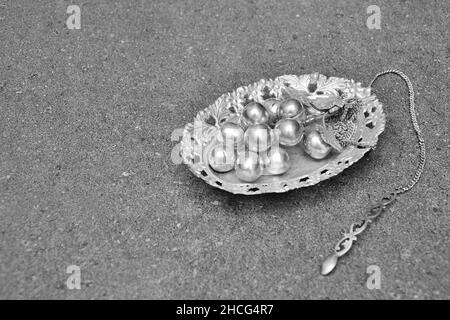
x=202, y=134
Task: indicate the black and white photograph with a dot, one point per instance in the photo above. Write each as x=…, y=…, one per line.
x=223, y=155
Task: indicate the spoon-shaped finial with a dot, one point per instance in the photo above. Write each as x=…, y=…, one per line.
x=329, y=264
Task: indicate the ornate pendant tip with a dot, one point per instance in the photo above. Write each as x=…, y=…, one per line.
x=329, y=264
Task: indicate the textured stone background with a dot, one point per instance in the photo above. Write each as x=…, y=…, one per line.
x=85, y=170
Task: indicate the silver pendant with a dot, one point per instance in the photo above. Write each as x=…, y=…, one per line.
x=262, y=118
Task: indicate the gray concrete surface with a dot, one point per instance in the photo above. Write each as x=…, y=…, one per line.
x=85, y=171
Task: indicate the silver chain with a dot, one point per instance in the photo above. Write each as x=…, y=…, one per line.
x=345, y=244
x=412, y=112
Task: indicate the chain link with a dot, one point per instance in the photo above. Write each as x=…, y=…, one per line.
x=345, y=244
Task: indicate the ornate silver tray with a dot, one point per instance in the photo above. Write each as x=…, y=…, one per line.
x=202, y=134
